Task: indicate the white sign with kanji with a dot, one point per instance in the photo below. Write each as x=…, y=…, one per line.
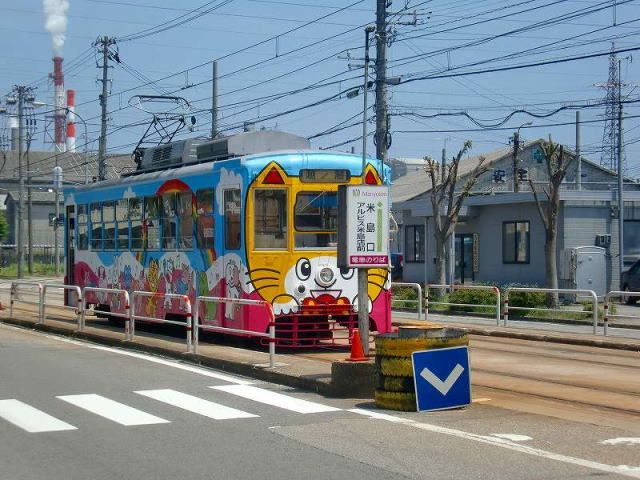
x=367, y=226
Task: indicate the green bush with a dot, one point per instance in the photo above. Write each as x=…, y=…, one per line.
x=404, y=298
x=526, y=299
x=472, y=297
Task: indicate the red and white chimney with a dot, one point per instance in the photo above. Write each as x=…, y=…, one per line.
x=58, y=101
x=71, y=121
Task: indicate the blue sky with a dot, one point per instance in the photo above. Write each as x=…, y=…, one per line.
x=442, y=40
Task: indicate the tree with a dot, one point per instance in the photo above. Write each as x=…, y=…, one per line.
x=557, y=164
x=4, y=227
x=446, y=201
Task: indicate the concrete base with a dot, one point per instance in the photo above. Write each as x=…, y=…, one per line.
x=353, y=379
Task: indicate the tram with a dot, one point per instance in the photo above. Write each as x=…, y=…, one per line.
x=250, y=216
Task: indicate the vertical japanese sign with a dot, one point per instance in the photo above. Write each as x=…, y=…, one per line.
x=363, y=226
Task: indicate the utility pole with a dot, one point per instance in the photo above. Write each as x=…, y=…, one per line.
x=516, y=146
x=29, y=207
x=382, y=120
x=578, y=159
x=104, y=43
x=214, y=100
x=620, y=180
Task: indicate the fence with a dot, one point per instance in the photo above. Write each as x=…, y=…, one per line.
x=78, y=309
x=418, y=301
x=216, y=328
x=108, y=291
x=14, y=296
x=607, y=305
x=491, y=288
x=43, y=257
x=591, y=293
x=139, y=294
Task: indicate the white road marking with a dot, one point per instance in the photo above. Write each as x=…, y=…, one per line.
x=622, y=441
x=624, y=470
x=276, y=399
x=380, y=416
x=195, y=404
x=512, y=436
x=112, y=410
x=31, y=419
x=442, y=386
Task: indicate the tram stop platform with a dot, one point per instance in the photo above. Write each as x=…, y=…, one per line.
x=322, y=370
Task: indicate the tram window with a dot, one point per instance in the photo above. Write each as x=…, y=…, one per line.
x=152, y=207
x=205, y=220
x=109, y=236
x=169, y=221
x=185, y=217
x=152, y=222
x=135, y=208
x=108, y=211
x=96, y=236
x=122, y=207
x=83, y=230
x=270, y=225
x=136, y=235
x=96, y=213
x=123, y=235
x=82, y=214
x=232, y=219
x=316, y=218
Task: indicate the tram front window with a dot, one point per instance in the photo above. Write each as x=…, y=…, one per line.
x=316, y=218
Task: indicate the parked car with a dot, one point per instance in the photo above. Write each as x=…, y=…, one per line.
x=631, y=281
x=397, y=265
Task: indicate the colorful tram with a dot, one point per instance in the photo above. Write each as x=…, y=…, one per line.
x=210, y=222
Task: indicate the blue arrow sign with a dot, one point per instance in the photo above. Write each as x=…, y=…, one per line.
x=442, y=378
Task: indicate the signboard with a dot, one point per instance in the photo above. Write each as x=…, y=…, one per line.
x=442, y=378
x=363, y=226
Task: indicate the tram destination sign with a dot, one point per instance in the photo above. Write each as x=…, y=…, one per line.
x=363, y=226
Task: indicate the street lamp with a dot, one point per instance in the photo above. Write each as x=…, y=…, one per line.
x=516, y=146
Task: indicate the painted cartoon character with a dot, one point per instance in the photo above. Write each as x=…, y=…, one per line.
x=299, y=279
x=153, y=282
x=102, y=283
x=234, y=287
x=127, y=278
x=169, y=270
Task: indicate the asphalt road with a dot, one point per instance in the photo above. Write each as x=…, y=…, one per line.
x=72, y=410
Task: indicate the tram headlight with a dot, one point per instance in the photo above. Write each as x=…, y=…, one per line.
x=326, y=276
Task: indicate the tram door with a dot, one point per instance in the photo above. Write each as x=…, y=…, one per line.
x=70, y=238
x=232, y=245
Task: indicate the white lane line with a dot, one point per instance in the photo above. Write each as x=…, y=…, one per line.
x=169, y=363
x=380, y=416
x=514, y=437
x=112, y=410
x=622, y=441
x=31, y=419
x=276, y=399
x=498, y=442
x=195, y=404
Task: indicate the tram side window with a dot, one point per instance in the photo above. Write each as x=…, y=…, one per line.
x=96, y=226
x=185, y=219
x=135, y=216
x=205, y=220
x=270, y=226
x=169, y=221
x=232, y=219
x=83, y=229
x=122, y=219
x=109, y=225
x=152, y=220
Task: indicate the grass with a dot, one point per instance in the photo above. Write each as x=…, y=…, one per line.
x=11, y=271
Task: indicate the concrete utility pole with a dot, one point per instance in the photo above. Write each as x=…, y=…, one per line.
x=578, y=159
x=382, y=126
x=29, y=208
x=214, y=100
x=620, y=180
x=516, y=146
x=104, y=42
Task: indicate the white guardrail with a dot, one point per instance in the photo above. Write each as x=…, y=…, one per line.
x=113, y=292
x=140, y=294
x=14, y=296
x=490, y=288
x=591, y=293
x=418, y=287
x=78, y=309
x=271, y=336
x=607, y=304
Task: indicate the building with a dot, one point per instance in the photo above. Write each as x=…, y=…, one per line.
x=499, y=237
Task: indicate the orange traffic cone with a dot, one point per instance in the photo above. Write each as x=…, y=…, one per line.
x=357, y=353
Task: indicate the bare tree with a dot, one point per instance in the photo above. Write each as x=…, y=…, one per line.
x=557, y=164
x=446, y=200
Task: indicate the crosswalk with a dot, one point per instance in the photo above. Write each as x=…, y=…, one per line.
x=33, y=420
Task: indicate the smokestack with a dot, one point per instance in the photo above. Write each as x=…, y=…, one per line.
x=58, y=101
x=71, y=121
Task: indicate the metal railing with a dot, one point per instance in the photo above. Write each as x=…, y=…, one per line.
x=140, y=294
x=14, y=296
x=109, y=291
x=490, y=288
x=72, y=288
x=418, y=287
x=607, y=306
x=271, y=336
x=591, y=293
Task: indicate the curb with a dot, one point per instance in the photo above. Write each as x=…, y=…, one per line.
x=325, y=388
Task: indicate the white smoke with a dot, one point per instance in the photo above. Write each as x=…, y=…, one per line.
x=55, y=13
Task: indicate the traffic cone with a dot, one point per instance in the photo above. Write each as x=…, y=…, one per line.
x=357, y=353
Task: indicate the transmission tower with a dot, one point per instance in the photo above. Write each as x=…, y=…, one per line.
x=608, y=158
